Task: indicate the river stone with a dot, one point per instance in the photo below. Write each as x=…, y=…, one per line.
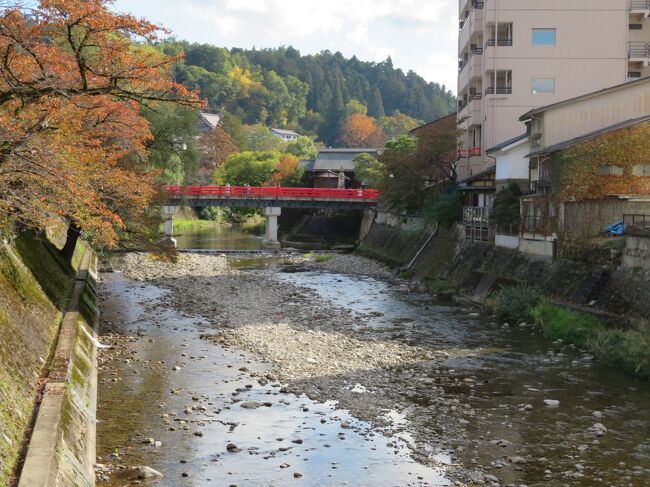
x=146, y=473
x=251, y=405
x=232, y=448
x=552, y=402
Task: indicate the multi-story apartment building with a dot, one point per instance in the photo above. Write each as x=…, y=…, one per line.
x=516, y=55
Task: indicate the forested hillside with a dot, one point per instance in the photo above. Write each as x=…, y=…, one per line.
x=311, y=94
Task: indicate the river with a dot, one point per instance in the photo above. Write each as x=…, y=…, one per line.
x=477, y=411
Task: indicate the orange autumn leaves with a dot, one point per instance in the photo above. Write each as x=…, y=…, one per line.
x=359, y=131
x=72, y=140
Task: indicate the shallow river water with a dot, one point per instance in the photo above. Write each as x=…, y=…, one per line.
x=163, y=367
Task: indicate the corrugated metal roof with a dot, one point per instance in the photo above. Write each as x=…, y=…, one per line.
x=507, y=143
x=285, y=132
x=339, y=159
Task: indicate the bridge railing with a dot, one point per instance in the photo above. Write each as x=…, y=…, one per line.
x=271, y=192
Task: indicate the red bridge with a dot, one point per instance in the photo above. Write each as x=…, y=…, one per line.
x=272, y=199
x=272, y=196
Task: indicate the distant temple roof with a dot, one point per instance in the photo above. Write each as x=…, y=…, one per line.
x=285, y=132
x=340, y=159
x=209, y=121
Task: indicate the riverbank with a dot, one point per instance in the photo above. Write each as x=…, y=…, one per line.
x=587, y=283
x=445, y=384
x=35, y=286
x=313, y=347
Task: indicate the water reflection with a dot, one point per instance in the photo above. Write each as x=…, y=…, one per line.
x=219, y=237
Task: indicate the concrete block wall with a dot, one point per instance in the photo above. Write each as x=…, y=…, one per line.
x=637, y=252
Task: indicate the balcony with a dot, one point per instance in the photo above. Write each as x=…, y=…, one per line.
x=469, y=27
x=471, y=152
x=639, y=51
x=470, y=111
x=499, y=90
x=498, y=43
x=639, y=6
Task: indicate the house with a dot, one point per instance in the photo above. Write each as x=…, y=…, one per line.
x=514, y=56
x=334, y=168
x=511, y=162
x=208, y=121
x=589, y=160
x=285, y=135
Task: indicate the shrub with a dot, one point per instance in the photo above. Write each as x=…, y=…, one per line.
x=516, y=303
x=446, y=208
x=211, y=213
x=567, y=325
x=628, y=350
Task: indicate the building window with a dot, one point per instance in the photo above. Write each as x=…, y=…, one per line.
x=544, y=37
x=636, y=26
x=642, y=170
x=543, y=85
x=606, y=170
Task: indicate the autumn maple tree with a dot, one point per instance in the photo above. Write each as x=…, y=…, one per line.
x=73, y=78
x=359, y=130
x=215, y=146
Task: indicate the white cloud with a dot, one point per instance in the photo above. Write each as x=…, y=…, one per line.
x=418, y=34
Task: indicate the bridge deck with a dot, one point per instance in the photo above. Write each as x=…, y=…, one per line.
x=274, y=196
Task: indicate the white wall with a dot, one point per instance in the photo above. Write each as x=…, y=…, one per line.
x=513, y=164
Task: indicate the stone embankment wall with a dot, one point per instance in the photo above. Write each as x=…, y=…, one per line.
x=589, y=277
x=45, y=351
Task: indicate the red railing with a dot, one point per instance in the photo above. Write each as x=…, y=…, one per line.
x=473, y=151
x=272, y=192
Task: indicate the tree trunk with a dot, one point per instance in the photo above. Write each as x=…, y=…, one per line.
x=70, y=242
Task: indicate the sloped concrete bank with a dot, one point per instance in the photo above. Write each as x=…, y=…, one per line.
x=587, y=277
x=62, y=448
x=47, y=364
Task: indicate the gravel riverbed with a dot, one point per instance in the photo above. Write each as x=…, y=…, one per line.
x=317, y=349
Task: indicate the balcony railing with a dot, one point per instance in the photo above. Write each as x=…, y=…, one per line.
x=499, y=90
x=479, y=4
x=475, y=96
x=473, y=215
x=637, y=224
x=639, y=50
x=471, y=152
x=639, y=4
x=499, y=42
x=541, y=186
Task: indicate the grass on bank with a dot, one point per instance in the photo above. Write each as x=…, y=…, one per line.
x=319, y=258
x=181, y=224
x=628, y=350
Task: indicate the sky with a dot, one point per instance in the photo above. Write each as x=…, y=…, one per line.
x=419, y=35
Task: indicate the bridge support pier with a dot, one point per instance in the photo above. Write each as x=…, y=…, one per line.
x=271, y=235
x=168, y=227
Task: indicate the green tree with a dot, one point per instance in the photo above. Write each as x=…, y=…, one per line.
x=355, y=106
x=259, y=138
x=369, y=170
x=253, y=168
x=173, y=147
x=376, y=104
x=398, y=124
x=303, y=148
x=506, y=210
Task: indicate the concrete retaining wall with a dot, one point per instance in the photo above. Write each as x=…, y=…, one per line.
x=637, y=252
x=61, y=451
x=506, y=241
x=540, y=249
